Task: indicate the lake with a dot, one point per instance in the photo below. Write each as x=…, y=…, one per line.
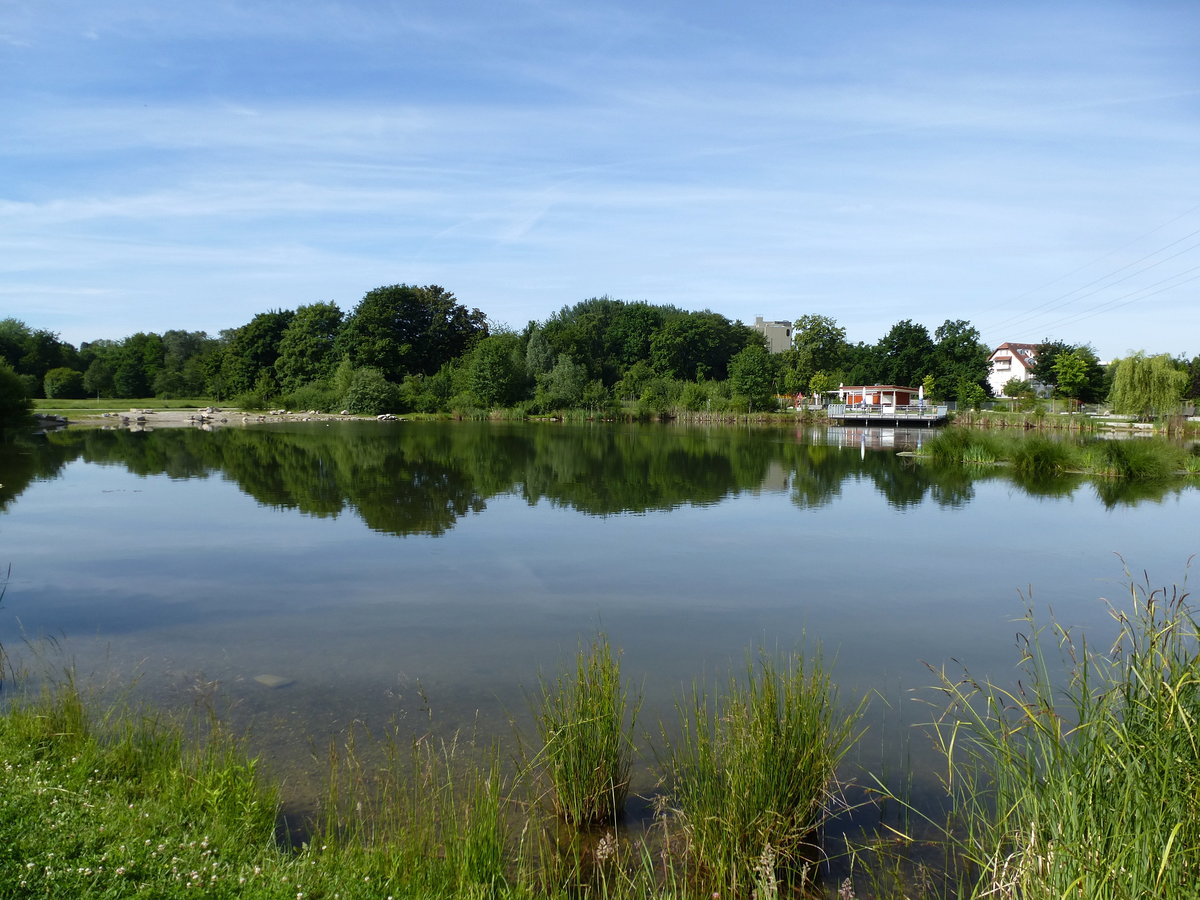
x=417, y=573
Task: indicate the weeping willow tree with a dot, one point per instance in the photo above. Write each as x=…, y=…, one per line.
x=1147, y=386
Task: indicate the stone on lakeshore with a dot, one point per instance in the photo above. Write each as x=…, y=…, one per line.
x=273, y=681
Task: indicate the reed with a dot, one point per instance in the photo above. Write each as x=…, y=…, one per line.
x=1085, y=784
x=585, y=720
x=1133, y=459
x=753, y=773
x=1041, y=457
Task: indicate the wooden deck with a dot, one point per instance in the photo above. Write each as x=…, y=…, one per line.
x=921, y=416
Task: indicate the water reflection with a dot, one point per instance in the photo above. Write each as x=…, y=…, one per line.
x=411, y=479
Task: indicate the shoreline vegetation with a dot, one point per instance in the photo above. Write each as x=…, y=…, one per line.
x=1076, y=785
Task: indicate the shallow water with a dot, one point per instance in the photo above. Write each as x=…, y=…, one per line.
x=423, y=575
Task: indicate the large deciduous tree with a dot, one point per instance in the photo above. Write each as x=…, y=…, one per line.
x=820, y=346
x=1147, y=386
x=252, y=351
x=905, y=354
x=692, y=346
x=407, y=330
x=752, y=375
x=960, y=359
x=306, y=347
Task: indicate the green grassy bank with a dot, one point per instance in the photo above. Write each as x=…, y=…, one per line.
x=1084, y=785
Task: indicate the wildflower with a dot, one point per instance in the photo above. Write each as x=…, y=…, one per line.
x=607, y=848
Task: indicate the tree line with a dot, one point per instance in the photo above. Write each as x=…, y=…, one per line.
x=409, y=348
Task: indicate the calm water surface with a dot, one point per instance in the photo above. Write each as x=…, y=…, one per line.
x=394, y=571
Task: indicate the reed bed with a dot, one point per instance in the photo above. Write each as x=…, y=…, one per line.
x=1088, y=787
x=752, y=776
x=585, y=720
x=1037, y=456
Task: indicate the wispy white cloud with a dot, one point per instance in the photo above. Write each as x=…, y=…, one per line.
x=856, y=161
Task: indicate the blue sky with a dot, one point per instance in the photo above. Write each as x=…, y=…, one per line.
x=1032, y=167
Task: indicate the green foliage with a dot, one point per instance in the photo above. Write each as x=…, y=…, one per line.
x=691, y=346
x=370, y=393
x=407, y=330
x=1083, y=370
x=316, y=395
x=820, y=346
x=752, y=374
x=1085, y=786
x=1039, y=457
x=1148, y=386
x=960, y=360
x=63, y=384
x=584, y=720
x=1018, y=387
x=562, y=387
x=15, y=401
x=306, y=346
x=970, y=394
x=903, y=355
x=753, y=772
x=495, y=371
x=253, y=349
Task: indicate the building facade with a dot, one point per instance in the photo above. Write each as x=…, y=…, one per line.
x=1011, y=360
x=778, y=334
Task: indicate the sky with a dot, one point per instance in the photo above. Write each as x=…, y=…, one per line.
x=1030, y=166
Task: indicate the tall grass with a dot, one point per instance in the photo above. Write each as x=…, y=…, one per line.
x=1133, y=459
x=1086, y=784
x=585, y=720
x=752, y=774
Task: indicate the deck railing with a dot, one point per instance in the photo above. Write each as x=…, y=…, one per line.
x=879, y=411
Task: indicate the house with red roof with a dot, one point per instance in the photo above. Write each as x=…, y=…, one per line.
x=1011, y=360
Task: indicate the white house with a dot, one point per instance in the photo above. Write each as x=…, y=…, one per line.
x=1008, y=361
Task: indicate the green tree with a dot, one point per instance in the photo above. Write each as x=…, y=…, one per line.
x=306, y=347
x=15, y=402
x=1088, y=388
x=698, y=345
x=1148, y=386
x=821, y=384
x=752, y=375
x=185, y=356
x=1070, y=374
x=98, y=380
x=960, y=357
x=405, y=330
x=34, y=352
x=562, y=387
x=370, y=393
x=905, y=354
x=820, y=345
x=495, y=371
x=1018, y=388
x=1192, y=391
x=253, y=349
x=63, y=384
